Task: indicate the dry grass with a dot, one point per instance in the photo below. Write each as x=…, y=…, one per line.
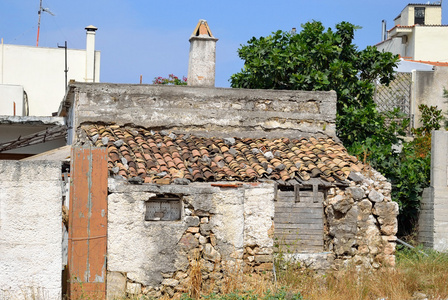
x=414, y=273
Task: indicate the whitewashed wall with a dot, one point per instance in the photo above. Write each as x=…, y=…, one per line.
x=30, y=230
x=40, y=71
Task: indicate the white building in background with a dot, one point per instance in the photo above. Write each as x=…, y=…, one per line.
x=32, y=87
x=32, y=79
x=418, y=34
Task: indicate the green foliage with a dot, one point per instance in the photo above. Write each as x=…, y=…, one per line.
x=431, y=118
x=323, y=59
x=281, y=294
x=171, y=80
x=319, y=59
x=408, y=170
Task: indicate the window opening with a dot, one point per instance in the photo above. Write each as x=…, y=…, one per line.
x=419, y=15
x=163, y=207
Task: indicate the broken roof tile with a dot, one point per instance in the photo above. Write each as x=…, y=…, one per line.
x=151, y=154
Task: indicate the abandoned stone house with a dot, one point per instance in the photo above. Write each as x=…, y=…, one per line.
x=167, y=178
x=227, y=178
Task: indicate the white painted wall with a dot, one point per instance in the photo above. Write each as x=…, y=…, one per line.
x=30, y=230
x=433, y=15
x=426, y=43
x=431, y=43
x=40, y=71
x=10, y=94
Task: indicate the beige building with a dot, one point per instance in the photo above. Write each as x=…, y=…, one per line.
x=418, y=34
x=32, y=79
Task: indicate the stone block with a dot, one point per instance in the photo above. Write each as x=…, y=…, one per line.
x=211, y=254
x=205, y=228
x=170, y=282
x=193, y=229
x=188, y=242
x=375, y=196
x=133, y=288
x=385, y=209
x=342, y=204
x=116, y=285
x=356, y=193
x=263, y=258
x=192, y=221
x=264, y=267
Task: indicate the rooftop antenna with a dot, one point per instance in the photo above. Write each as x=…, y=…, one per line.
x=41, y=9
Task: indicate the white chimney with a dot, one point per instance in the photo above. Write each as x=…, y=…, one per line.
x=201, y=63
x=90, y=53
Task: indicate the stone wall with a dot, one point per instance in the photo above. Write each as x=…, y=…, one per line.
x=433, y=219
x=231, y=229
x=360, y=226
x=219, y=230
x=30, y=230
x=205, y=111
x=361, y=222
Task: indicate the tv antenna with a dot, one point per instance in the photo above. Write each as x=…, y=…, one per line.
x=41, y=9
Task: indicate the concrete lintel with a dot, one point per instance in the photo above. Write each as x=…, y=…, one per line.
x=31, y=120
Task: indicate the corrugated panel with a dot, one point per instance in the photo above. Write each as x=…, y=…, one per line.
x=88, y=224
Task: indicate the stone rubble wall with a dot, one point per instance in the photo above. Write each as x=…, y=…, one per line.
x=221, y=229
x=206, y=111
x=361, y=223
x=228, y=230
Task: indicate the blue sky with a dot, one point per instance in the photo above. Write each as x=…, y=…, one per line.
x=150, y=38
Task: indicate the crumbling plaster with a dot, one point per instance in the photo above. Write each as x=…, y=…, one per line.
x=205, y=111
x=146, y=250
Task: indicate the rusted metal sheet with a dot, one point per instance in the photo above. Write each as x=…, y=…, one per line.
x=87, y=247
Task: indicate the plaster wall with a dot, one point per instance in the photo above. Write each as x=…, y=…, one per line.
x=426, y=43
x=393, y=45
x=201, y=63
x=40, y=71
x=149, y=252
x=30, y=230
x=433, y=220
x=11, y=98
x=206, y=111
x=404, y=18
x=428, y=89
x=433, y=15
x=431, y=43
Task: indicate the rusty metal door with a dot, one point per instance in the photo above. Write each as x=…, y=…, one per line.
x=87, y=246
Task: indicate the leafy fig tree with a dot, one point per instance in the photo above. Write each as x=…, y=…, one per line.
x=319, y=59
x=324, y=59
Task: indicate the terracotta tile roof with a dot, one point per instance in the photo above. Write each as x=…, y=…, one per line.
x=164, y=156
x=434, y=63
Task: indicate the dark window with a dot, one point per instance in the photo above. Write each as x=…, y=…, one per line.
x=163, y=208
x=419, y=15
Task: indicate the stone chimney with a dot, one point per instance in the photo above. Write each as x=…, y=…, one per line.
x=90, y=53
x=201, y=63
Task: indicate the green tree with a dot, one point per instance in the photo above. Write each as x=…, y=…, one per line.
x=323, y=59
x=319, y=59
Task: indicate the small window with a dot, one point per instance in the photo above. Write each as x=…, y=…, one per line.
x=419, y=15
x=163, y=208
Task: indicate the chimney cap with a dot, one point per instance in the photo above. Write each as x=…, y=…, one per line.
x=91, y=28
x=202, y=30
